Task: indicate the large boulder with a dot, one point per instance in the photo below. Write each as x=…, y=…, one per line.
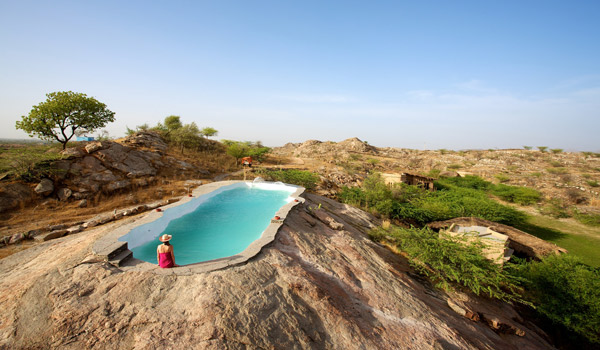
x=64, y=193
x=314, y=287
x=146, y=139
x=45, y=187
x=13, y=195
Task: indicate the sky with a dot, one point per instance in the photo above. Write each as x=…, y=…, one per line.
x=409, y=74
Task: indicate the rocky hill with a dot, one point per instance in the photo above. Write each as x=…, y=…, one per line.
x=321, y=285
x=572, y=177
x=95, y=173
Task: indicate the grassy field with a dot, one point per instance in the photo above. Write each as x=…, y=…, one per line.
x=580, y=240
x=18, y=157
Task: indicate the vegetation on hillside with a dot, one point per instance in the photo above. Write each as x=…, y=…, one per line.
x=565, y=290
x=414, y=205
x=559, y=287
x=28, y=162
x=451, y=261
x=302, y=178
x=241, y=149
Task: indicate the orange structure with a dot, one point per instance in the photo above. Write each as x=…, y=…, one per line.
x=247, y=161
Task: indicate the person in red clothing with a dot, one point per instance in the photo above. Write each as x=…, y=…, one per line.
x=164, y=252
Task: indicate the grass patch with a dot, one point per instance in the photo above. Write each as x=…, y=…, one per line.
x=302, y=178
x=581, y=241
x=557, y=171
x=28, y=161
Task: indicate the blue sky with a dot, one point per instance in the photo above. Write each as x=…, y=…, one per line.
x=418, y=74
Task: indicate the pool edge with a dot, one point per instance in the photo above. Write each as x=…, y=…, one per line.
x=104, y=244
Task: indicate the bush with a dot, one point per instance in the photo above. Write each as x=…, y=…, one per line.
x=556, y=150
x=557, y=171
x=554, y=208
x=565, y=290
x=302, y=178
x=592, y=183
x=587, y=218
x=469, y=181
x=451, y=261
x=456, y=197
x=517, y=194
x=502, y=177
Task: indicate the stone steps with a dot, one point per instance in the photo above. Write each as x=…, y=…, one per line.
x=120, y=258
x=116, y=253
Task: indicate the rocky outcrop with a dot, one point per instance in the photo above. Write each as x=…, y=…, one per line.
x=13, y=195
x=325, y=150
x=105, y=166
x=45, y=187
x=321, y=285
x=523, y=243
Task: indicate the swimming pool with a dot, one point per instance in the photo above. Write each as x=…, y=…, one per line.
x=216, y=225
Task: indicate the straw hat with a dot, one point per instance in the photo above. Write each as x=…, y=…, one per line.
x=165, y=238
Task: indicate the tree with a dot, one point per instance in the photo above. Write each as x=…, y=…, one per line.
x=62, y=114
x=187, y=136
x=208, y=132
x=542, y=148
x=238, y=150
x=172, y=123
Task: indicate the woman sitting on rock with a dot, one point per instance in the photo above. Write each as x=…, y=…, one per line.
x=164, y=252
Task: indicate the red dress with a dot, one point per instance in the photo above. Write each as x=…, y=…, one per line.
x=165, y=260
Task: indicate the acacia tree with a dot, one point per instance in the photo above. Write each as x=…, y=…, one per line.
x=63, y=114
x=209, y=131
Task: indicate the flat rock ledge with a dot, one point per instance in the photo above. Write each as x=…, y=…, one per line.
x=321, y=284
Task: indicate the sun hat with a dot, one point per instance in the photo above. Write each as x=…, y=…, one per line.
x=165, y=238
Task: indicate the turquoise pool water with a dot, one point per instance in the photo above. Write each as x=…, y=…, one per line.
x=221, y=226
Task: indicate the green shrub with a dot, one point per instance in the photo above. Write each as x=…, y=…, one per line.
x=302, y=178
x=587, y=218
x=517, y=194
x=556, y=150
x=456, y=197
x=555, y=163
x=502, y=177
x=435, y=173
x=542, y=148
x=451, y=261
x=469, y=181
x=354, y=157
x=454, y=166
x=527, y=147
x=557, y=171
x=373, y=161
x=592, y=183
x=565, y=290
x=554, y=208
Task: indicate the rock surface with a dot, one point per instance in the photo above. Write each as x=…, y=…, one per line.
x=321, y=285
x=45, y=187
x=106, y=166
x=13, y=194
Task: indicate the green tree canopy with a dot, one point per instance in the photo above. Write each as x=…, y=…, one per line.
x=172, y=123
x=187, y=136
x=63, y=114
x=208, y=131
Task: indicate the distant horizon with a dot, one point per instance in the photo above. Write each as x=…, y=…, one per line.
x=459, y=75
